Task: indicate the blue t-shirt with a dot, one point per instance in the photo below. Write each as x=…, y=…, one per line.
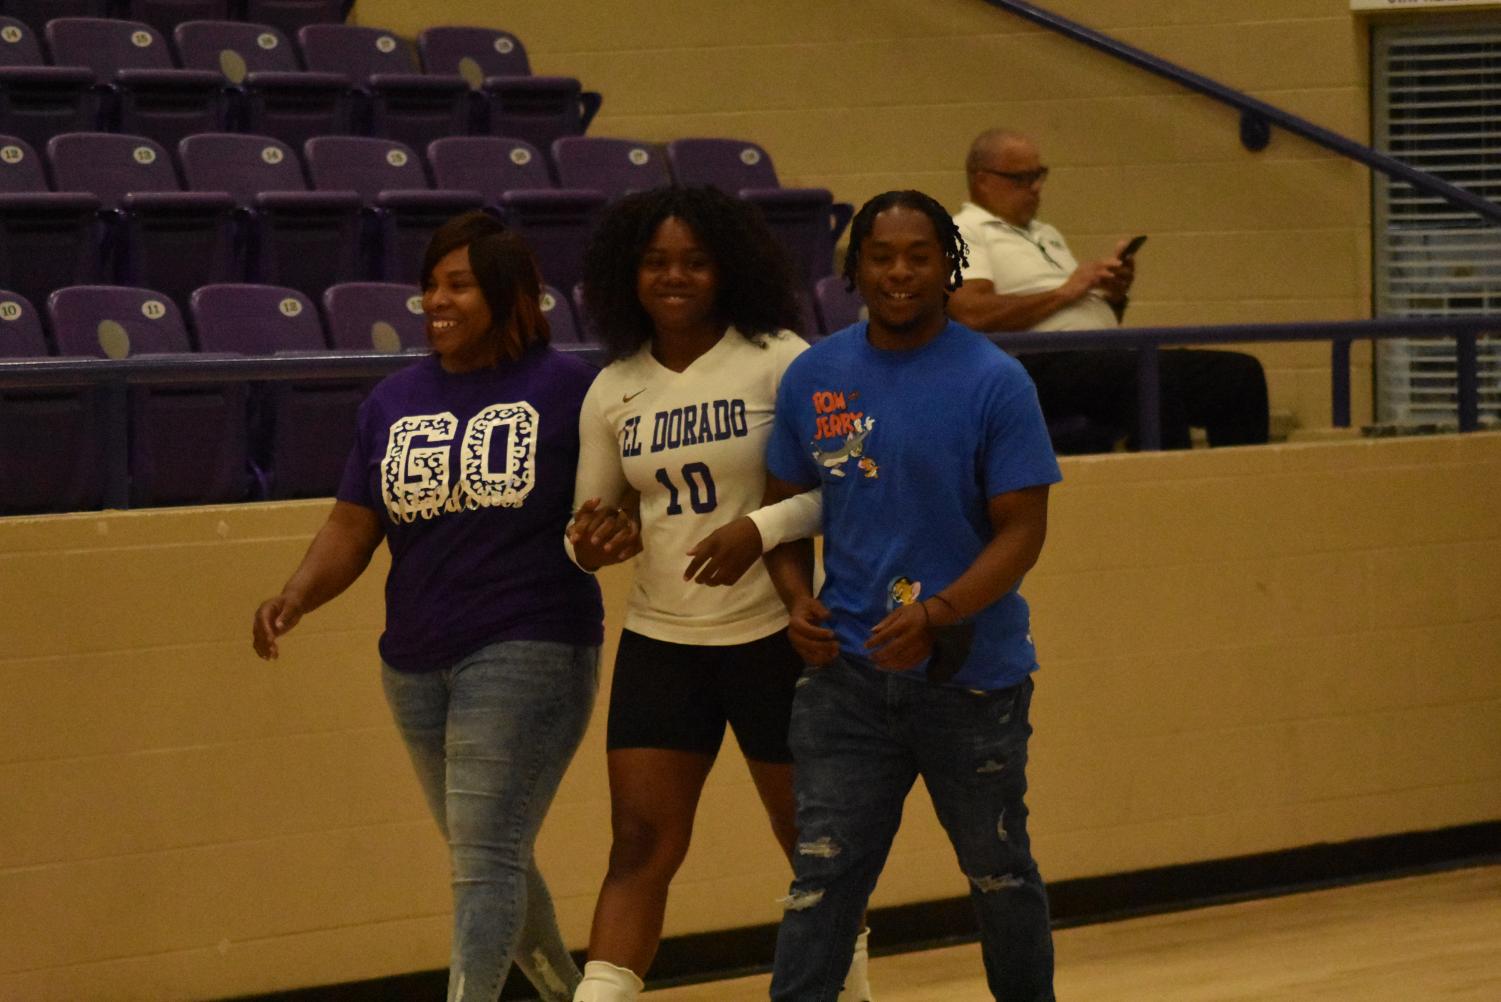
x=909, y=446
x=472, y=477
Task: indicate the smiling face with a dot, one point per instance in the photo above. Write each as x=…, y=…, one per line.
x=677, y=282
x=459, y=322
x=903, y=276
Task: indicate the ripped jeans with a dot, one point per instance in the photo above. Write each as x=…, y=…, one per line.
x=490, y=738
x=860, y=737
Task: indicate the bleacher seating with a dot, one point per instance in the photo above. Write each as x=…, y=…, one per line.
x=403, y=103
x=165, y=15
x=375, y=316
x=390, y=180
x=52, y=452
x=614, y=167
x=149, y=95
x=49, y=239
x=271, y=206
x=20, y=168
x=163, y=238
x=307, y=240
x=39, y=102
x=38, y=12
x=808, y=220
x=274, y=95
x=560, y=319
x=838, y=307
x=301, y=432
x=538, y=109
x=21, y=334
x=490, y=165
x=187, y=440
x=288, y=16
x=18, y=44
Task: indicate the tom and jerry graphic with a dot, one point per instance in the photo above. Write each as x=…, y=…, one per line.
x=842, y=433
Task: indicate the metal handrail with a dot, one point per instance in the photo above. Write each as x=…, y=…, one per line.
x=1340, y=333
x=1256, y=116
x=116, y=376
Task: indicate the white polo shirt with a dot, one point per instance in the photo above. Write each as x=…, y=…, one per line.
x=1021, y=261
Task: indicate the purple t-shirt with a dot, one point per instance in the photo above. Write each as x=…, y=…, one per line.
x=472, y=476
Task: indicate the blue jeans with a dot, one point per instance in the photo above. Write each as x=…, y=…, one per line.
x=490, y=738
x=860, y=737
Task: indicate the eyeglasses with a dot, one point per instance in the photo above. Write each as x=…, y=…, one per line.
x=1025, y=179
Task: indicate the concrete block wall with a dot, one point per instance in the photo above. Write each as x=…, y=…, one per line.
x=1243, y=650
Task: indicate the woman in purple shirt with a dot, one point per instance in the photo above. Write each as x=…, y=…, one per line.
x=464, y=465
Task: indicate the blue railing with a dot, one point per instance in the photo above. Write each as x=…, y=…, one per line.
x=1257, y=117
x=1464, y=331
x=117, y=376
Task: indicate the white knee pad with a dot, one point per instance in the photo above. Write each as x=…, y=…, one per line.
x=604, y=982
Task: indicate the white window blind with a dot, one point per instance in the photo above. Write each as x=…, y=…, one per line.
x=1437, y=107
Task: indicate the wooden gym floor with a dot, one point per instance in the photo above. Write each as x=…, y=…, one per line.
x=1430, y=938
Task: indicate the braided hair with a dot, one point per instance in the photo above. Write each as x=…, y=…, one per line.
x=949, y=240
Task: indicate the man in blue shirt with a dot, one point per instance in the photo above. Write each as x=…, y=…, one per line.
x=934, y=465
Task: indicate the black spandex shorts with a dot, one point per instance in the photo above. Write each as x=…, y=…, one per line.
x=680, y=696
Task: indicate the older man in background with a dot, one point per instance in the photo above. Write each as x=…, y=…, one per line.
x=1021, y=275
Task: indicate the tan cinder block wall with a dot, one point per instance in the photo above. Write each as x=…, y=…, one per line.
x=1243, y=649
x=860, y=96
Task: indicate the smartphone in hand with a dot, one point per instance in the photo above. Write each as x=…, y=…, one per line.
x=1133, y=247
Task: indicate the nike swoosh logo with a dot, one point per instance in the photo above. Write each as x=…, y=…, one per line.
x=632, y=396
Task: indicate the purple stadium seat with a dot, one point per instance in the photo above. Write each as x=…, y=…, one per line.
x=20, y=167
x=18, y=44
x=838, y=307
x=275, y=95
x=38, y=102
x=21, y=333
x=165, y=15
x=187, y=440
x=730, y=165
x=307, y=240
x=615, y=167
x=115, y=321
x=556, y=225
x=379, y=316
x=152, y=97
x=490, y=165
x=588, y=332
x=405, y=105
x=538, y=109
x=473, y=53
x=166, y=239
x=391, y=181
x=38, y=12
x=51, y=439
x=808, y=220
x=48, y=240
x=256, y=320
x=291, y=15
x=560, y=319
x=302, y=430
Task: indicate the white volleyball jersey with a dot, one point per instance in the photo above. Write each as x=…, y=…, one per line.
x=693, y=443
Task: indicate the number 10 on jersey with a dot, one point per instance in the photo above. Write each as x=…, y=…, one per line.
x=701, y=496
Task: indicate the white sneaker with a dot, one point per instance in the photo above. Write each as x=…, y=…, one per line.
x=604, y=982
x=857, y=981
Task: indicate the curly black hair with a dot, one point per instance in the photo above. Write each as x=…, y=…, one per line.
x=949, y=240
x=757, y=292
